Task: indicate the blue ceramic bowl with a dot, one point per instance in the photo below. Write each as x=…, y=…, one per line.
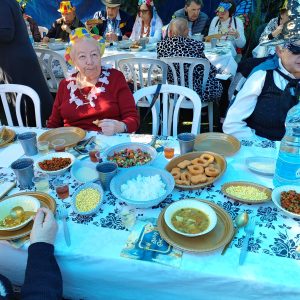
x=94, y=186
x=132, y=173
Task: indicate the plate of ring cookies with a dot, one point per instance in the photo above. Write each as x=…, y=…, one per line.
x=196, y=170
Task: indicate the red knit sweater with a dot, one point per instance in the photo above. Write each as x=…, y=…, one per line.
x=115, y=103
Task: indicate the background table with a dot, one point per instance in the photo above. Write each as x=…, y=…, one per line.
x=221, y=57
x=92, y=267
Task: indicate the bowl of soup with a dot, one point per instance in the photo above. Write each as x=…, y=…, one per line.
x=190, y=217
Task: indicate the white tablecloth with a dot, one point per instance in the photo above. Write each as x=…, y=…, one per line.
x=92, y=267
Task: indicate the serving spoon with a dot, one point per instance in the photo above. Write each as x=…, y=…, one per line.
x=241, y=220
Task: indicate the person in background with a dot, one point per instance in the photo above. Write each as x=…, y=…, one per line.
x=116, y=25
x=63, y=26
x=43, y=279
x=147, y=24
x=33, y=25
x=198, y=20
x=95, y=98
x=260, y=107
x=178, y=44
x=19, y=62
x=272, y=30
x=230, y=27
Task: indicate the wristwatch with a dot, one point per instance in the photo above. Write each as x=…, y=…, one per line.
x=125, y=127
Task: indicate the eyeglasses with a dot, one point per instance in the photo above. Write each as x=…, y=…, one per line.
x=143, y=11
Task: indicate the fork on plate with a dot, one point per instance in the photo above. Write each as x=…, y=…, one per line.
x=249, y=230
x=63, y=214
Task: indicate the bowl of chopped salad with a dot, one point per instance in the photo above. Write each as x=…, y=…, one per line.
x=128, y=155
x=287, y=199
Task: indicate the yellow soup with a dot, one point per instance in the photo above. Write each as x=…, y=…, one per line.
x=190, y=220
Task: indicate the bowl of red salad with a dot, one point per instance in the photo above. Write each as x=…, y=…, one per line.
x=287, y=198
x=128, y=155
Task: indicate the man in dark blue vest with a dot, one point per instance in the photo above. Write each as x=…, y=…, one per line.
x=261, y=106
x=116, y=25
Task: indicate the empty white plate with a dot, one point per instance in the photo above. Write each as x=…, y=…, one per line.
x=261, y=165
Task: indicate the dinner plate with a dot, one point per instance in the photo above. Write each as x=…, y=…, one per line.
x=72, y=135
x=137, y=49
x=220, y=160
x=211, y=241
x=220, y=143
x=45, y=200
x=261, y=188
x=28, y=203
x=8, y=136
x=261, y=165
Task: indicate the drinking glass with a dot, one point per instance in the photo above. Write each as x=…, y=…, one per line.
x=43, y=147
x=41, y=182
x=61, y=187
x=93, y=151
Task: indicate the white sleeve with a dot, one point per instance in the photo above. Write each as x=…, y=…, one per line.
x=213, y=29
x=241, y=41
x=243, y=107
x=157, y=32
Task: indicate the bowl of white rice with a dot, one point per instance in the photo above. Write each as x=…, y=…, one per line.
x=142, y=187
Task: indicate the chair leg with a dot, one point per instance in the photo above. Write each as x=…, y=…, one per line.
x=211, y=116
x=170, y=117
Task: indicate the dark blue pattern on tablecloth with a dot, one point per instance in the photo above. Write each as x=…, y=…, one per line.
x=258, y=143
x=272, y=233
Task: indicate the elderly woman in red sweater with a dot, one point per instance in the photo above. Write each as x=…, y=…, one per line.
x=95, y=97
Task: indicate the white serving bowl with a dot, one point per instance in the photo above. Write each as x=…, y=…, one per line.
x=276, y=198
x=28, y=203
x=84, y=171
x=191, y=203
x=91, y=185
x=52, y=155
x=132, y=173
x=146, y=148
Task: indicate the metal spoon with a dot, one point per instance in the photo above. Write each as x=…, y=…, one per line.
x=241, y=220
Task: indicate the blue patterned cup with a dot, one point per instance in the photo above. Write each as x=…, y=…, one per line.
x=106, y=170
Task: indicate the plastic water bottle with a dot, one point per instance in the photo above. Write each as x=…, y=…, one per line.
x=288, y=162
x=29, y=32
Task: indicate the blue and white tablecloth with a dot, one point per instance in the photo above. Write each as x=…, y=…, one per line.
x=93, y=269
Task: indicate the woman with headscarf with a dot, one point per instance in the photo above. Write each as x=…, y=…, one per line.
x=231, y=28
x=94, y=97
x=147, y=24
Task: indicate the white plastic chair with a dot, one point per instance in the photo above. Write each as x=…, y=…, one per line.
x=43, y=31
x=193, y=62
x=113, y=60
x=143, y=72
x=166, y=90
x=19, y=90
x=47, y=58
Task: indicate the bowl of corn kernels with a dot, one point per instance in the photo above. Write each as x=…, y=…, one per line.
x=87, y=199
